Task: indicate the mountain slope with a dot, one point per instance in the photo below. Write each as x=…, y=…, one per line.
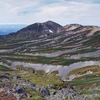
x=77, y=28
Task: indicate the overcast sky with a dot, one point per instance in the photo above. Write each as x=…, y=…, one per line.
x=85, y=12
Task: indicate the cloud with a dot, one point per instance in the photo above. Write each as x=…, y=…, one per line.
x=61, y=11
x=71, y=12
x=30, y=10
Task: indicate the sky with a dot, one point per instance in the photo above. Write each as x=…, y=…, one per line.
x=85, y=12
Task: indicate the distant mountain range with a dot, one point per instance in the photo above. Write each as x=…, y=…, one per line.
x=9, y=28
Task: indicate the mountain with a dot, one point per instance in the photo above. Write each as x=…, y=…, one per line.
x=36, y=30
x=48, y=27
x=39, y=30
x=1, y=37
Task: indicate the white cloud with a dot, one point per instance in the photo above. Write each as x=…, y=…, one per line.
x=62, y=11
x=72, y=12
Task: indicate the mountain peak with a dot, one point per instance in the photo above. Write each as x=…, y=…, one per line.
x=41, y=29
x=49, y=21
x=72, y=26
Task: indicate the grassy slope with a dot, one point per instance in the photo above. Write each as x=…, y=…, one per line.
x=87, y=84
x=4, y=68
x=94, y=41
x=50, y=60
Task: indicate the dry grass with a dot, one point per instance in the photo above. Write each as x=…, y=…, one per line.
x=83, y=70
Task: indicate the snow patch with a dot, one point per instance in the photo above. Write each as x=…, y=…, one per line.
x=50, y=31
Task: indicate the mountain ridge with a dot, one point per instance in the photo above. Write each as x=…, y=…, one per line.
x=49, y=28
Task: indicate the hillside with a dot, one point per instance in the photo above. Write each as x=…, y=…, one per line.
x=59, y=55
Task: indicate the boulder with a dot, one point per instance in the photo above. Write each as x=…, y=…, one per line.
x=32, y=86
x=19, y=89
x=6, y=75
x=15, y=77
x=44, y=91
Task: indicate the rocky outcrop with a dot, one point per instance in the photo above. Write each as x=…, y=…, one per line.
x=68, y=92
x=15, y=77
x=14, y=91
x=6, y=75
